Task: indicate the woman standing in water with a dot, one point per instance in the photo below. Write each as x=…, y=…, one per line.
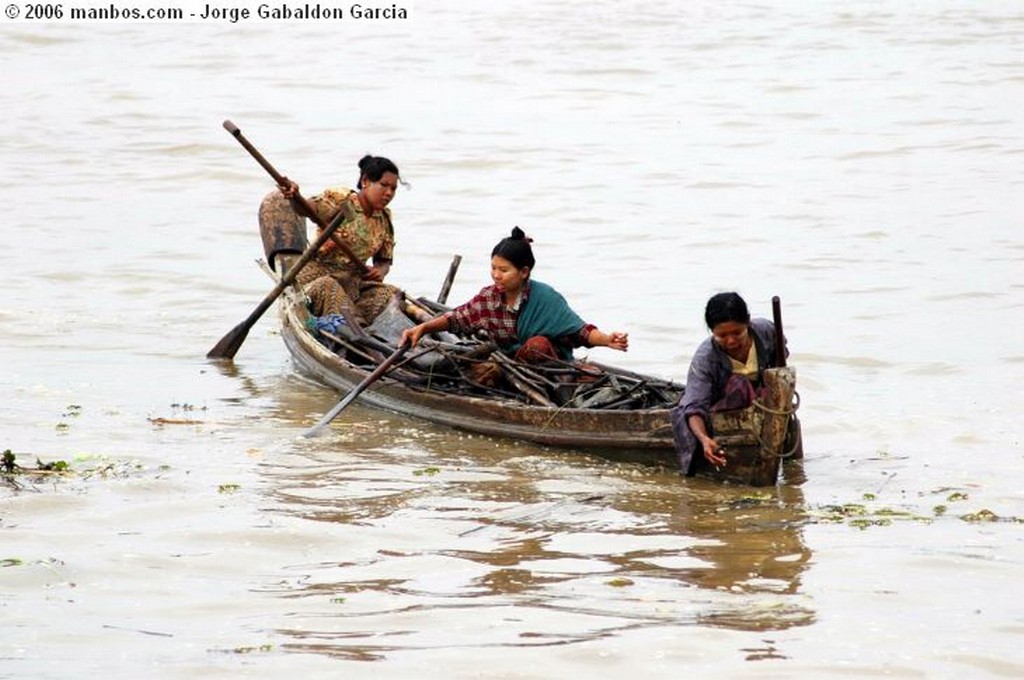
x=725, y=373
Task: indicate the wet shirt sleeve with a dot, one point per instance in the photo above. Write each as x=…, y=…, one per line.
x=700, y=382
x=581, y=338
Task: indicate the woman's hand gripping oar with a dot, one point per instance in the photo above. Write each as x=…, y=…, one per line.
x=302, y=205
x=230, y=343
x=356, y=391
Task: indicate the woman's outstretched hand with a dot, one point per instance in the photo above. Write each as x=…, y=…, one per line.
x=618, y=340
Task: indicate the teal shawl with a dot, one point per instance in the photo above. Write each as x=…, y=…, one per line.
x=546, y=313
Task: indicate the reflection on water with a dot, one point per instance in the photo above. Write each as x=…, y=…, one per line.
x=531, y=546
x=755, y=552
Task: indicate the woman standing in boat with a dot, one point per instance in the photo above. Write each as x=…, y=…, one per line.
x=523, y=316
x=725, y=373
x=335, y=283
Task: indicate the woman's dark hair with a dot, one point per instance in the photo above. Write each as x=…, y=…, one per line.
x=516, y=249
x=374, y=167
x=726, y=307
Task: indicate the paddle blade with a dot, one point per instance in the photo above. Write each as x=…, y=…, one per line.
x=230, y=343
x=329, y=417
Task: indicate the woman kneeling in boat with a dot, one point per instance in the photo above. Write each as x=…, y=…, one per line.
x=725, y=373
x=523, y=316
x=334, y=283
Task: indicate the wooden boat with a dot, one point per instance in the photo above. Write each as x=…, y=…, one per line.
x=592, y=407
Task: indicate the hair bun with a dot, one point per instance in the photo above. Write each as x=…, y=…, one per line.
x=519, y=235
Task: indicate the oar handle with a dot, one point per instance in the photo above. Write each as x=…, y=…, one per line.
x=281, y=180
x=780, y=338
x=303, y=204
x=236, y=132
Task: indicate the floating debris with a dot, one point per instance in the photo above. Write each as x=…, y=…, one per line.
x=174, y=421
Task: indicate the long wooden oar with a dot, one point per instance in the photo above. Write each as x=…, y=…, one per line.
x=780, y=339
x=229, y=344
x=302, y=204
x=356, y=391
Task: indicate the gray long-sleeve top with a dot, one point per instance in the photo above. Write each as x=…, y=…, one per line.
x=705, y=384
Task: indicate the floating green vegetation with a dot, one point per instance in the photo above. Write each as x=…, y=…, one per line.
x=428, y=471
x=187, y=407
x=228, y=488
x=10, y=562
x=861, y=516
x=620, y=582
x=55, y=466
x=105, y=468
x=983, y=516
x=86, y=466
x=752, y=500
x=863, y=523
x=10, y=466
x=251, y=650
x=338, y=600
x=839, y=512
x=72, y=411
x=867, y=511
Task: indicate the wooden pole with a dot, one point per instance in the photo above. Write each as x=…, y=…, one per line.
x=442, y=297
x=780, y=338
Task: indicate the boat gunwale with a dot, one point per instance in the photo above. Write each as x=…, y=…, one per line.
x=572, y=427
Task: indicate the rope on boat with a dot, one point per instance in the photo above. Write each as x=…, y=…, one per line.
x=796, y=446
x=779, y=412
x=792, y=416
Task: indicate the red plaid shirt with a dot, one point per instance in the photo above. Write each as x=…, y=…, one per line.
x=488, y=312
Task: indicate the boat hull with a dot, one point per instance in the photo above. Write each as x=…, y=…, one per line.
x=647, y=430
x=753, y=443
